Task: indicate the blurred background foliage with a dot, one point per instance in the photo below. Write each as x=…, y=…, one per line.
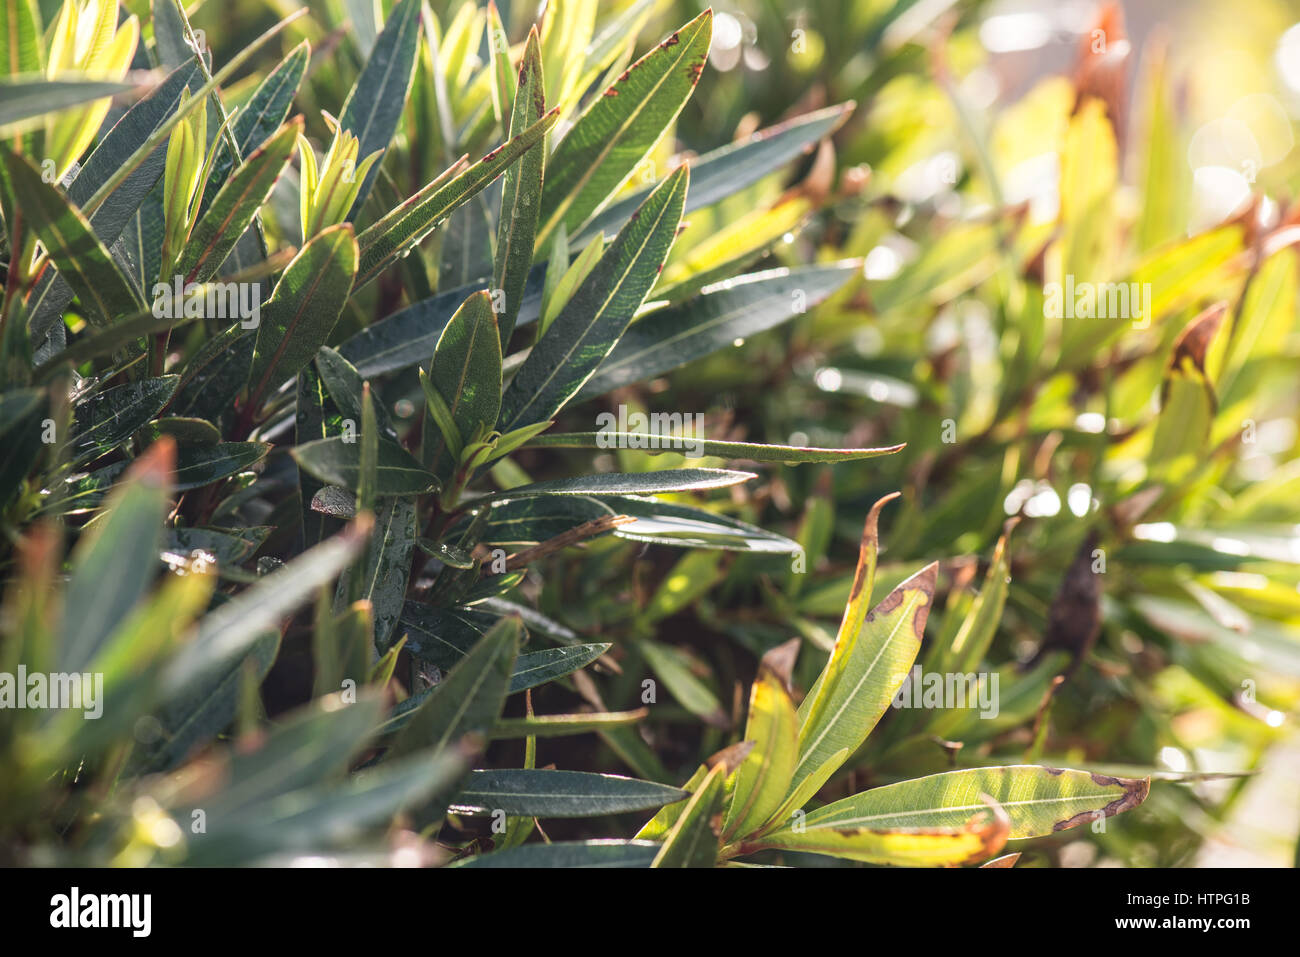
x=995, y=148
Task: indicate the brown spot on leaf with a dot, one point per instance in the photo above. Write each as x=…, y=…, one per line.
x=730, y=757
x=1194, y=341
x=1135, y=792
x=869, y=545
x=779, y=661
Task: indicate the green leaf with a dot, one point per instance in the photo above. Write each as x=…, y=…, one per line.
x=197, y=713
x=638, y=483
x=521, y=189
x=562, y=725
x=466, y=373
x=1039, y=801
x=235, y=205
x=599, y=853
x=230, y=630
x=683, y=526
x=186, y=431
x=872, y=655
x=52, y=293
x=311, y=745
x=975, y=635
x=302, y=310
x=443, y=636
x=215, y=375
x=387, y=240
x=82, y=260
x=20, y=39
x=106, y=340
x=345, y=387
x=386, y=565
x=982, y=835
x=503, y=72
x=199, y=465
x=1188, y=402
x=654, y=443
x=673, y=667
x=694, y=574
x=24, y=97
x=734, y=167
x=691, y=842
x=621, y=126
x=104, y=421
x=311, y=820
x=541, y=793
x=375, y=104
x=116, y=559
x=368, y=473
x=590, y=324
x=725, y=312
x=558, y=295
x=532, y=520
x=262, y=114
x=763, y=778
x=469, y=699
x=338, y=462
x=538, y=667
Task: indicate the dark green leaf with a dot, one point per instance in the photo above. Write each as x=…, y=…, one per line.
x=723, y=313
x=590, y=324
x=524, y=793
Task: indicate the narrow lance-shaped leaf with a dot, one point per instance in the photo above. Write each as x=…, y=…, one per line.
x=598, y=853
x=302, y=310
x=375, y=105
x=871, y=659
x=982, y=835
x=588, y=327
x=386, y=565
x=52, y=292
x=764, y=775
x=69, y=241
x=731, y=168
x=466, y=373
x=336, y=461
x=521, y=189
x=977, y=629
x=503, y=74
x=235, y=205
x=230, y=630
x=621, y=126
x=115, y=561
x=1188, y=402
x=724, y=313
x=699, y=446
x=1038, y=800
x=470, y=697
x=263, y=114
x=368, y=477
x=562, y=725
x=691, y=842
x=542, y=793
x=639, y=483
x=383, y=243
